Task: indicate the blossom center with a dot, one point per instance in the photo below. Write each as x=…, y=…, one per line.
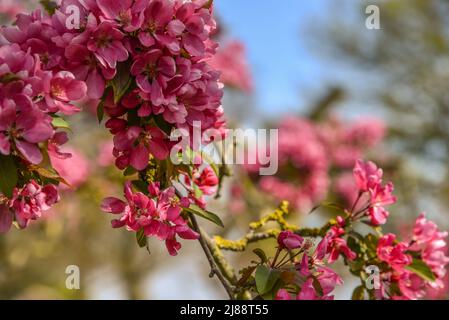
x=103, y=41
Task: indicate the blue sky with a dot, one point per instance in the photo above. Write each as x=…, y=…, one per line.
x=282, y=63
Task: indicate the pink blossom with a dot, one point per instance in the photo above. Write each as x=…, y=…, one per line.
x=105, y=42
x=29, y=202
x=336, y=244
x=134, y=145
x=428, y=245
x=33, y=33
x=158, y=215
x=153, y=71
x=380, y=197
x=310, y=269
x=321, y=250
x=207, y=181
x=289, y=240
x=283, y=294
x=127, y=12
x=393, y=254
x=27, y=94
x=308, y=291
x=328, y=280
x=411, y=285
x=58, y=90
x=24, y=130
x=157, y=15
x=339, y=246
x=367, y=175
x=431, y=242
x=83, y=64
x=55, y=143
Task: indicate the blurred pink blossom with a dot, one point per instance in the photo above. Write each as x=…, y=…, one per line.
x=75, y=169
x=231, y=61
x=105, y=156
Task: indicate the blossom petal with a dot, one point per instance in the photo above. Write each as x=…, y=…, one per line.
x=30, y=151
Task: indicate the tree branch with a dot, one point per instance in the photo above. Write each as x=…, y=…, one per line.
x=214, y=268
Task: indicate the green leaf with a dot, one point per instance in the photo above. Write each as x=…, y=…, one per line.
x=8, y=175
x=356, y=266
x=197, y=191
x=162, y=124
x=141, y=238
x=261, y=254
x=354, y=245
x=121, y=82
x=100, y=111
x=205, y=214
x=358, y=293
x=420, y=268
x=141, y=186
x=328, y=205
x=49, y=6
x=371, y=242
x=49, y=174
x=59, y=122
x=265, y=279
x=317, y=286
x=9, y=77
x=129, y=171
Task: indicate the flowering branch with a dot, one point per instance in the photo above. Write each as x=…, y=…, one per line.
x=148, y=66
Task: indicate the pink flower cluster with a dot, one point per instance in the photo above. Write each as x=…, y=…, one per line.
x=28, y=95
x=166, y=44
x=146, y=61
x=163, y=44
x=312, y=266
x=430, y=245
x=231, y=61
x=309, y=151
x=27, y=204
x=345, y=143
x=158, y=215
x=303, y=166
x=369, y=183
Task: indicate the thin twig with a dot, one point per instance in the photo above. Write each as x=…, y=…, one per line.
x=214, y=269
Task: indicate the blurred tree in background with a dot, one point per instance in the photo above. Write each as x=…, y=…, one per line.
x=404, y=69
